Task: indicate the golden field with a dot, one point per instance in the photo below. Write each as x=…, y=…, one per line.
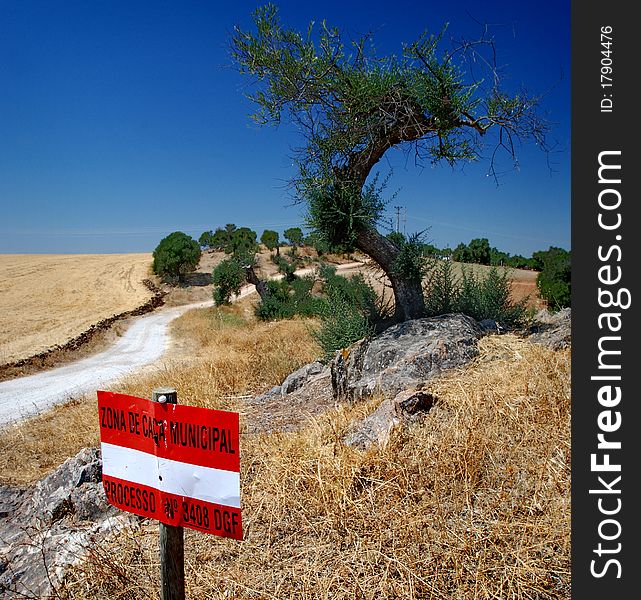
x=48, y=299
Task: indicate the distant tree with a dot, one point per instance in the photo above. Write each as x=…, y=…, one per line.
x=228, y=277
x=206, y=239
x=242, y=243
x=219, y=239
x=462, y=253
x=555, y=278
x=520, y=262
x=498, y=258
x=479, y=249
x=270, y=240
x=176, y=255
x=294, y=235
x=431, y=250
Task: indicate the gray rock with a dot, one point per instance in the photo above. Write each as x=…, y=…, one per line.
x=275, y=392
x=47, y=527
x=492, y=326
x=404, y=356
x=300, y=377
x=553, y=330
x=376, y=429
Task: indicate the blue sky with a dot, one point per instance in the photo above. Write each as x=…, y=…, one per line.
x=122, y=121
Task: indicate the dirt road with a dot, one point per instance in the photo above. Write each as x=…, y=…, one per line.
x=143, y=343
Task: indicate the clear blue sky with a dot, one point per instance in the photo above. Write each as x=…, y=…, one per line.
x=124, y=120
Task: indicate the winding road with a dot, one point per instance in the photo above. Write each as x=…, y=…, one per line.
x=144, y=342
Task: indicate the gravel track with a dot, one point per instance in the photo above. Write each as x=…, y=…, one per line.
x=144, y=342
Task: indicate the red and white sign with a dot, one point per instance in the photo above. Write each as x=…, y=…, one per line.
x=174, y=463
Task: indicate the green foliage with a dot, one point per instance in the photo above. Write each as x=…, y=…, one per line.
x=219, y=239
x=341, y=326
x=206, y=239
x=488, y=297
x=285, y=299
x=242, y=242
x=480, y=297
x=285, y=267
x=176, y=255
x=228, y=278
x=269, y=239
x=442, y=288
x=348, y=313
x=347, y=307
x=462, y=253
x=480, y=251
x=555, y=279
x=410, y=262
x=352, y=106
x=294, y=235
x=338, y=211
x=477, y=251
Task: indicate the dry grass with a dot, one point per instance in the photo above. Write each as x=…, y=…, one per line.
x=230, y=355
x=46, y=300
x=472, y=502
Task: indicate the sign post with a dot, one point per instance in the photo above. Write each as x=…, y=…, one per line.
x=174, y=463
x=172, y=550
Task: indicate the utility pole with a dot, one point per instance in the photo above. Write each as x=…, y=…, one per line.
x=398, y=218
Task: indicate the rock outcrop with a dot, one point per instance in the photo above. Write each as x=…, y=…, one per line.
x=553, y=330
x=46, y=528
x=376, y=429
x=404, y=356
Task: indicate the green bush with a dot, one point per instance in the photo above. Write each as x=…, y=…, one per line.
x=442, y=288
x=488, y=297
x=348, y=313
x=347, y=308
x=480, y=297
x=285, y=299
x=555, y=279
x=176, y=255
x=228, y=278
x=341, y=325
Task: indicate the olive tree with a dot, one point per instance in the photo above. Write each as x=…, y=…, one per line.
x=175, y=255
x=352, y=107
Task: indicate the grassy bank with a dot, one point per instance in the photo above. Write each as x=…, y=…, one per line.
x=220, y=356
x=473, y=502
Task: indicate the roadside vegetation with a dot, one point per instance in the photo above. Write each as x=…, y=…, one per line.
x=230, y=354
x=472, y=502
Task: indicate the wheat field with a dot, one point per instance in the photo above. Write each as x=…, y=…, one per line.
x=40, y=292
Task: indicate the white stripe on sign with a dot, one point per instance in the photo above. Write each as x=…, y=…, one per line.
x=183, y=479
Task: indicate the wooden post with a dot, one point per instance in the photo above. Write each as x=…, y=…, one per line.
x=172, y=552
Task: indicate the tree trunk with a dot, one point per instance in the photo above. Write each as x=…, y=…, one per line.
x=408, y=295
x=261, y=285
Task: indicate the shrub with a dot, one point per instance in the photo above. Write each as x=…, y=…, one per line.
x=228, y=278
x=176, y=255
x=286, y=298
x=347, y=307
x=410, y=263
x=555, y=279
x=489, y=297
x=442, y=289
x=348, y=313
x=480, y=297
x=341, y=325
